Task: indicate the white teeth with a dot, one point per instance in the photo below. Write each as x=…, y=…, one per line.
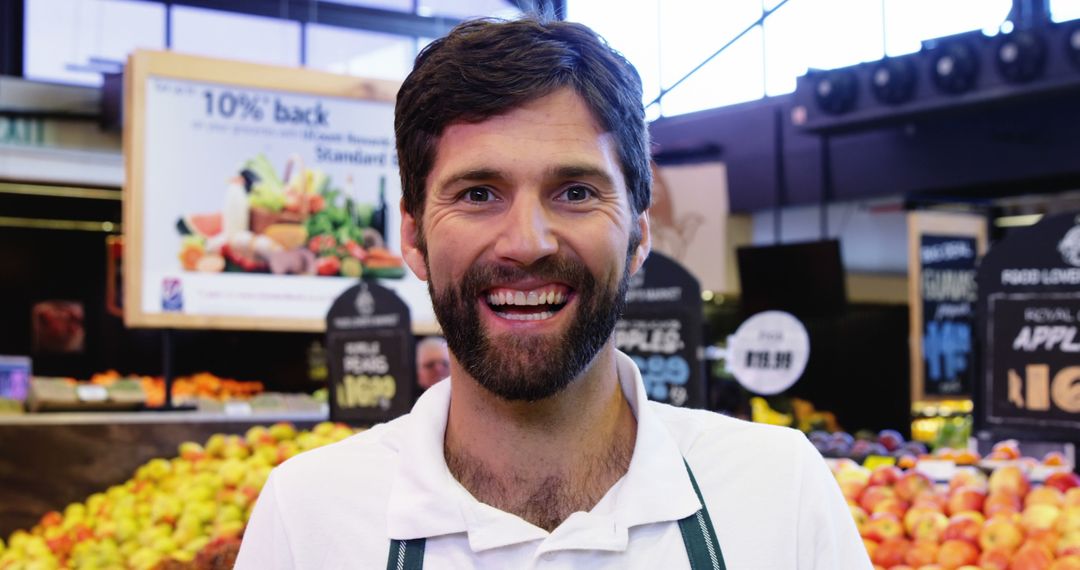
x=521, y=298
x=527, y=316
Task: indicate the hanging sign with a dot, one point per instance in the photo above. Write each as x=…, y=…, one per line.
x=369, y=347
x=947, y=283
x=661, y=330
x=768, y=352
x=255, y=194
x=944, y=249
x=1029, y=294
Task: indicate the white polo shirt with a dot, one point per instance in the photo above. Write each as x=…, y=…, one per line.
x=772, y=499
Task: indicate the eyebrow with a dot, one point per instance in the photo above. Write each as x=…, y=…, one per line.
x=558, y=172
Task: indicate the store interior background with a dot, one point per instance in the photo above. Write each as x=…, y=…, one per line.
x=61, y=168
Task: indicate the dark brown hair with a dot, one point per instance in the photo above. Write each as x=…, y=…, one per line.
x=485, y=68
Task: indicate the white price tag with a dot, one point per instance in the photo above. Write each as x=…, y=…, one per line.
x=91, y=393
x=768, y=353
x=237, y=409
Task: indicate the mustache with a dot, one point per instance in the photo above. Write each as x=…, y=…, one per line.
x=482, y=276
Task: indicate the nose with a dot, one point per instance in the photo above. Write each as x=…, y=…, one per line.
x=527, y=232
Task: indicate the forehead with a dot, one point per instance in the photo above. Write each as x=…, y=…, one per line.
x=558, y=128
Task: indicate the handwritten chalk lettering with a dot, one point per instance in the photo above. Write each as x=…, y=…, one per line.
x=1037, y=391
x=948, y=285
x=356, y=364
x=362, y=347
x=1032, y=338
x=363, y=391
x=946, y=251
x=664, y=341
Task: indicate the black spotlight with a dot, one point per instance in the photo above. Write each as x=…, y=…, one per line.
x=893, y=81
x=1021, y=56
x=1072, y=44
x=954, y=67
x=836, y=91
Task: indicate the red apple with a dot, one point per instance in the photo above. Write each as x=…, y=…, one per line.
x=1044, y=495
x=922, y=552
x=1031, y=557
x=1002, y=502
x=912, y=484
x=1039, y=517
x=955, y=553
x=1009, y=478
x=964, y=526
x=968, y=477
x=995, y=559
x=1069, y=544
x=883, y=526
x=931, y=501
x=859, y=516
x=965, y=499
x=929, y=527
x=1001, y=532
x=874, y=494
x=1063, y=480
x=891, y=552
x=1066, y=563
x=885, y=475
x=891, y=505
x=852, y=489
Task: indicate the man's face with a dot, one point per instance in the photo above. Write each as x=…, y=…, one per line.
x=432, y=364
x=530, y=241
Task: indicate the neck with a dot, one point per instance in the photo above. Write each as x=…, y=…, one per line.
x=542, y=460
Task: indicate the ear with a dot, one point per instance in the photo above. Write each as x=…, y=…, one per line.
x=645, y=246
x=410, y=239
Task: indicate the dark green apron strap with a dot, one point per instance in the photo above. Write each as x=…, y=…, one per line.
x=406, y=554
x=699, y=536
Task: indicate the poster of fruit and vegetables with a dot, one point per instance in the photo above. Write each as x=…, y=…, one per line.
x=258, y=205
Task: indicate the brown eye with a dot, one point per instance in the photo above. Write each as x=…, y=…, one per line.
x=577, y=194
x=478, y=195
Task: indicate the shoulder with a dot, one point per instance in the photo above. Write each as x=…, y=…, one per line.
x=701, y=432
x=365, y=461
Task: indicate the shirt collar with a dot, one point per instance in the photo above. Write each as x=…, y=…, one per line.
x=426, y=501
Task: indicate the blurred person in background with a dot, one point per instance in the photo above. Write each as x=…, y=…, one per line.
x=432, y=361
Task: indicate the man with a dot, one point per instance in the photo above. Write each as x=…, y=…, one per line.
x=525, y=167
x=432, y=361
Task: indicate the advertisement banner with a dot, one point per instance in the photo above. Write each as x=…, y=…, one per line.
x=1029, y=293
x=257, y=194
x=369, y=346
x=948, y=288
x=661, y=330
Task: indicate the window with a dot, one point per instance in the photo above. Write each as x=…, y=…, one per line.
x=819, y=35
x=629, y=26
x=73, y=41
x=734, y=76
x=467, y=8
x=235, y=36
x=1064, y=10
x=909, y=22
x=360, y=53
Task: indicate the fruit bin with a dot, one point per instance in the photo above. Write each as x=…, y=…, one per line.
x=1006, y=513
x=68, y=458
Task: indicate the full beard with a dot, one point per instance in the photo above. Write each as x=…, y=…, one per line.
x=529, y=367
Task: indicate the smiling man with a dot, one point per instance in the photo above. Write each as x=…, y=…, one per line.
x=525, y=170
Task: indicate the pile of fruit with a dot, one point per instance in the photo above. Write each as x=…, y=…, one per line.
x=182, y=513
x=185, y=388
x=999, y=521
x=886, y=443
x=296, y=224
